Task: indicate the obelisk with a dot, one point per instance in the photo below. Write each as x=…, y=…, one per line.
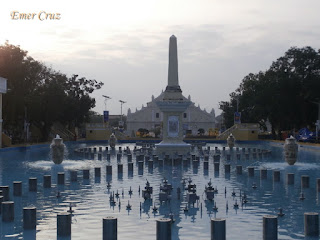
x=173, y=106
x=173, y=90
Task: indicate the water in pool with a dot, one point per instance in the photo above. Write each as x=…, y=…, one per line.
x=90, y=199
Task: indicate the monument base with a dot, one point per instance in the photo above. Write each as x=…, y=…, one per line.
x=173, y=149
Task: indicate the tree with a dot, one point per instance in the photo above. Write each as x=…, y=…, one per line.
x=40, y=95
x=284, y=94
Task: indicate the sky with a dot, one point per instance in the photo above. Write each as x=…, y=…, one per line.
x=124, y=43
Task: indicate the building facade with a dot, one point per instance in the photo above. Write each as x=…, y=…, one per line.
x=150, y=117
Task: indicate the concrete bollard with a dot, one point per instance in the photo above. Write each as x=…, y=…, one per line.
x=33, y=184
x=239, y=169
x=218, y=229
x=290, y=178
x=97, y=172
x=227, y=168
x=276, y=176
x=109, y=170
x=60, y=178
x=140, y=164
x=216, y=158
x=64, y=224
x=206, y=165
x=46, y=181
x=110, y=228
x=17, y=188
x=263, y=174
x=318, y=184
x=29, y=217
x=195, y=163
x=311, y=224
x=130, y=167
x=73, y=176
x=164, y=229
x=216, y=166
x=304, y=181
x=120, y=168
x=85, y=173
x=7, y=210
x=251, y=171
x=150, y=164
x=270, y=227
x=5, y=192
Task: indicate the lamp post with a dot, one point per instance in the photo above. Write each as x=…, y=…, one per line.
x=121, y=122
x=318, y=122
x=106, y=98
x=105, y=101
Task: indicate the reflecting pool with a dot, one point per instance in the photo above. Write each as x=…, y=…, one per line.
x=90, y=199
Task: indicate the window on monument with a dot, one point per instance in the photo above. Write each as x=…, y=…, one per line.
x=185, y=115
x=157, y=115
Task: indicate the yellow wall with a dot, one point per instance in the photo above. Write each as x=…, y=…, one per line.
x=243, y=131
x=245, y=134
x=98, y=134
x=6, y=140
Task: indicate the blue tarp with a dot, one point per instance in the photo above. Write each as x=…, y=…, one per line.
x=305, y=135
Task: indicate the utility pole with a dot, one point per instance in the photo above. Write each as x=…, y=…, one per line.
x=318, y=122
x=121, y=122
x=106, y=98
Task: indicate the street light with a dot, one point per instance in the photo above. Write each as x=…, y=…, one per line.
x=105, y=101
x=122, y=102
x=121, y=122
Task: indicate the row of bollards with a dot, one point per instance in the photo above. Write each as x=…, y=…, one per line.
x=29, y=214
x=17, y=185
x=164, y=225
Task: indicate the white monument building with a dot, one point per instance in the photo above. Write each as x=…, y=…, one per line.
x=151, y=117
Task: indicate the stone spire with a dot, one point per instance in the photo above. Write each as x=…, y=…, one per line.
x=173, y=91
x=173, y=80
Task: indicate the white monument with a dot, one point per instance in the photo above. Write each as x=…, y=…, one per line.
x=173, y=106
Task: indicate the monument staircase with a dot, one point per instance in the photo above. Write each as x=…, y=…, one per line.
x=63, y=132
x=224, y=135
x=242, y=131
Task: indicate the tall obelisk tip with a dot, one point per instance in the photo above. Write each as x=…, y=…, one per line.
x=173, y=90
